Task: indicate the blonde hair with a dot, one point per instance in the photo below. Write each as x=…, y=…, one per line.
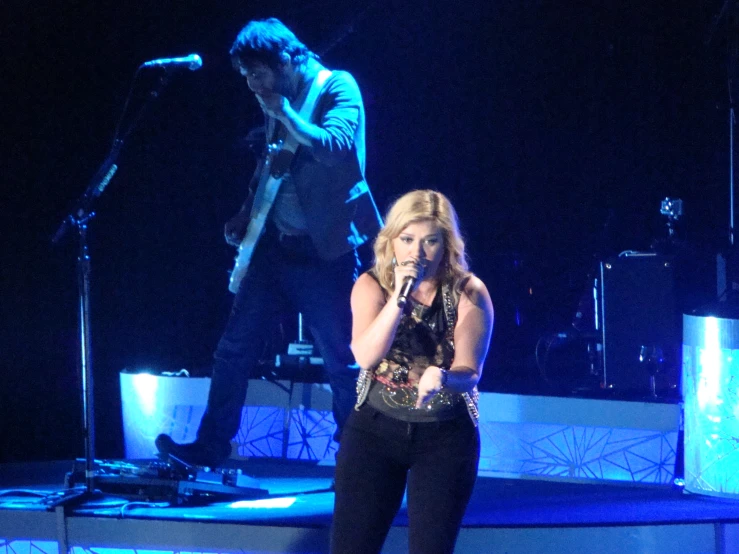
x=414, y=207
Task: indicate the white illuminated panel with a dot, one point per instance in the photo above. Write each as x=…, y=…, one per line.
x=154, y=404
x=710, y=389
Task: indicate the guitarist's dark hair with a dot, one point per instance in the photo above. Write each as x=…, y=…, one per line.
x=267, y=41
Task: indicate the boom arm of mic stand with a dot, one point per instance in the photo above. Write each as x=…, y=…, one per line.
x=96, y=187
x=83, y=206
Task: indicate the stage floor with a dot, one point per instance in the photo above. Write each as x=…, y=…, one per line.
x=505, y=515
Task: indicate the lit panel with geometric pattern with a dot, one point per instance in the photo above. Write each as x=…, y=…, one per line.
x=28, y=547
x=538, y=437
x=578, y=452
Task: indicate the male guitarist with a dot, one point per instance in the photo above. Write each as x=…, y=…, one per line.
x=304, y=256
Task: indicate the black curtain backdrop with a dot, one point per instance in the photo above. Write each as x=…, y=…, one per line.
x=555, y=127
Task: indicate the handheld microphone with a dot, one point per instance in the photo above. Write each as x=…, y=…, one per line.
x=193, y=62
x=408, y=285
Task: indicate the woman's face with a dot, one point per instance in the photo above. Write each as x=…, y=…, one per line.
x=423, y=243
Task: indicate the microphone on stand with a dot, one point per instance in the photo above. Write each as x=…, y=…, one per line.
x=192, y=62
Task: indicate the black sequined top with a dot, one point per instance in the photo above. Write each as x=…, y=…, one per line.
x=423, y=338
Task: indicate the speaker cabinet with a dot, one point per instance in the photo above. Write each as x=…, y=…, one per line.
x=640, y=325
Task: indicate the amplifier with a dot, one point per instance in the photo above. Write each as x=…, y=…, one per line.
x=641, y=325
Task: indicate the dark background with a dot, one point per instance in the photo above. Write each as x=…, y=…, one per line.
x=555, y=127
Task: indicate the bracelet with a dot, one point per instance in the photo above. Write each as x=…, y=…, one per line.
x=444, y=376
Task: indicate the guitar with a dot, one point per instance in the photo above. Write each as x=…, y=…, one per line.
x=270, y=181
x=269, y=185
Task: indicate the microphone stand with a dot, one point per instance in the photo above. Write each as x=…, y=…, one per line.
x=80, y=217
x=726, y=261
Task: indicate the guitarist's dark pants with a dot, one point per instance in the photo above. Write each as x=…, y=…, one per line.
x=285, y=273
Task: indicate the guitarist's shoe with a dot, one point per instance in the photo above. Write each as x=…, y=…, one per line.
x=195, y=453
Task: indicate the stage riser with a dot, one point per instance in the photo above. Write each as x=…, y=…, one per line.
x=96, y=536
x=535, y=437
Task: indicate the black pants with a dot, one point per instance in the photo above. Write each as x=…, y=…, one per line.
x=378, y=457
x=285, y=273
